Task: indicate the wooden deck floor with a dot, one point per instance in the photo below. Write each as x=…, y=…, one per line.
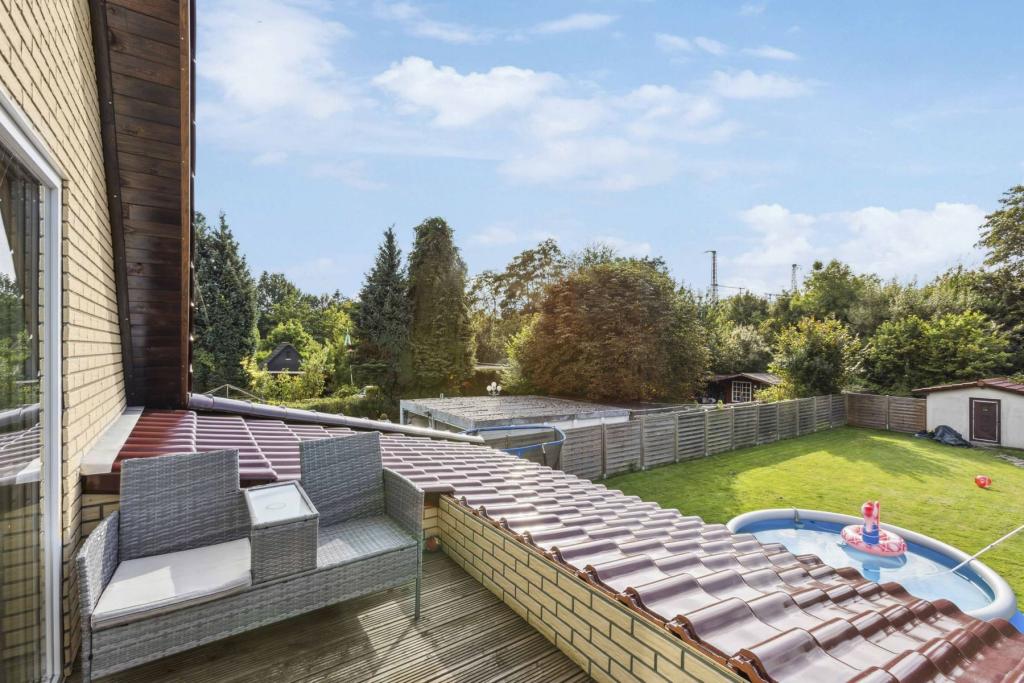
x=465, y=635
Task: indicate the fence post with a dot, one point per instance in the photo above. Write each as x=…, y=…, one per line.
x=604, y=450
x=887, y=409
x=797, y=401
x=707, y=446
x=732, y=429
x=675, y=439
x=757, y=425
x=643, y=442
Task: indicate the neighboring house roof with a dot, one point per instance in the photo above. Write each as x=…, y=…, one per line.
x=282, y=347
x=759, y=377
x=999, y=383
x=755, y=607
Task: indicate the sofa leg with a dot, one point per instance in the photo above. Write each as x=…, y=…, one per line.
x=416, y=614
x=419, y=580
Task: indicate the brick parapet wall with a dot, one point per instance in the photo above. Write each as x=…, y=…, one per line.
x=606, y=639
x=47, y=68
x=603, y=637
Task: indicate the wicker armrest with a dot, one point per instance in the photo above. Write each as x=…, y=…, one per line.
x=96, y=563
x=403, y=501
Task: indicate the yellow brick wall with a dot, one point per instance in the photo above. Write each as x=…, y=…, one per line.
x=607, y=640
x=47, y=67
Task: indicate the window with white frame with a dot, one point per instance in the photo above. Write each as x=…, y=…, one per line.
x=742, y=392
x=30, y=403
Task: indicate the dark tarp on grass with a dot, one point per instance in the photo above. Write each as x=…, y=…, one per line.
x=947, y=435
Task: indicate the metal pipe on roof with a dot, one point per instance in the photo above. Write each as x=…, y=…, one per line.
x=250, y=409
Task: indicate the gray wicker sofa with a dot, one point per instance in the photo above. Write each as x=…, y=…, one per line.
x=174, y=568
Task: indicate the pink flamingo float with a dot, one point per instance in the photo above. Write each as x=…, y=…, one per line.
x=870, y=537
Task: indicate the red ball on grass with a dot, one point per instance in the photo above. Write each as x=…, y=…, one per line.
x=982, y=481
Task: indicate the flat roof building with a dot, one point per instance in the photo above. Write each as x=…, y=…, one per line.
x=474, y=412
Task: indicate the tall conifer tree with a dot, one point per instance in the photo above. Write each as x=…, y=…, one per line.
x=441, y=340
x=382, y=319
x=225, y=321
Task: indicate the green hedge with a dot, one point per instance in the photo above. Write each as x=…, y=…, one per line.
x=372, y=406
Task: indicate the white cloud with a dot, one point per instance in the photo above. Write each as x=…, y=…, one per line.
x=244, y=55
x=594, y=140
x=606, y=163
x=899, y=243
x=670, y=43
x=576, y=22
x=710, y=46
x=667, y=42
x=747, y=85
x=417, y=23
x=555, y=116
x=351, y=173
x=664, y=112
x=907, y=241
x=535, y=127
x=784, y=236
x=769, y=52
x=750, y=9
x=460, y=100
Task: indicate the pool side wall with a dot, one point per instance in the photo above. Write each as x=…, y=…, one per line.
x=1004, y=602
x=607, y=640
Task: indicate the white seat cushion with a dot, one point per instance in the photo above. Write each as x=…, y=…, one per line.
x=149, y=586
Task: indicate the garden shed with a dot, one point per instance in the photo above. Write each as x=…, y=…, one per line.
x=740, y=387
x=284, y=359
x=986, y=411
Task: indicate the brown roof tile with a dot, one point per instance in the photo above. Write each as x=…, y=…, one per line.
x=1000, y=383
x=755, y=607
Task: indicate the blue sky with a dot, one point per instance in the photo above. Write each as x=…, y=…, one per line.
x=774, y=132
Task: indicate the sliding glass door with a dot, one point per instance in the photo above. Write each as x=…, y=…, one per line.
x=22, y=546
x=30, y=406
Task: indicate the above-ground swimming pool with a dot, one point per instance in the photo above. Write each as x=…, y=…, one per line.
x=924, y=571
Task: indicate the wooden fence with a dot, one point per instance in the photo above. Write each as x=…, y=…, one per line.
x=649, y=440
x=895, y=413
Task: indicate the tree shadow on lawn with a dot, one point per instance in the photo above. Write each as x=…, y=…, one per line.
x=898, y=455
x=867, y=463
x=924, y=486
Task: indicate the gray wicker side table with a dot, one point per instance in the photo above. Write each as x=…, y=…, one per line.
x=284, y=531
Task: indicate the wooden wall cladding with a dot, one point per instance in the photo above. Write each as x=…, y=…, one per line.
x=144, y=59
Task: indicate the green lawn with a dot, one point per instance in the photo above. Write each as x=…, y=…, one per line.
x=922, y=485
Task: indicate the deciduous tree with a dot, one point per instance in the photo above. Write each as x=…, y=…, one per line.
x=814, y=357
x=613, y=329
